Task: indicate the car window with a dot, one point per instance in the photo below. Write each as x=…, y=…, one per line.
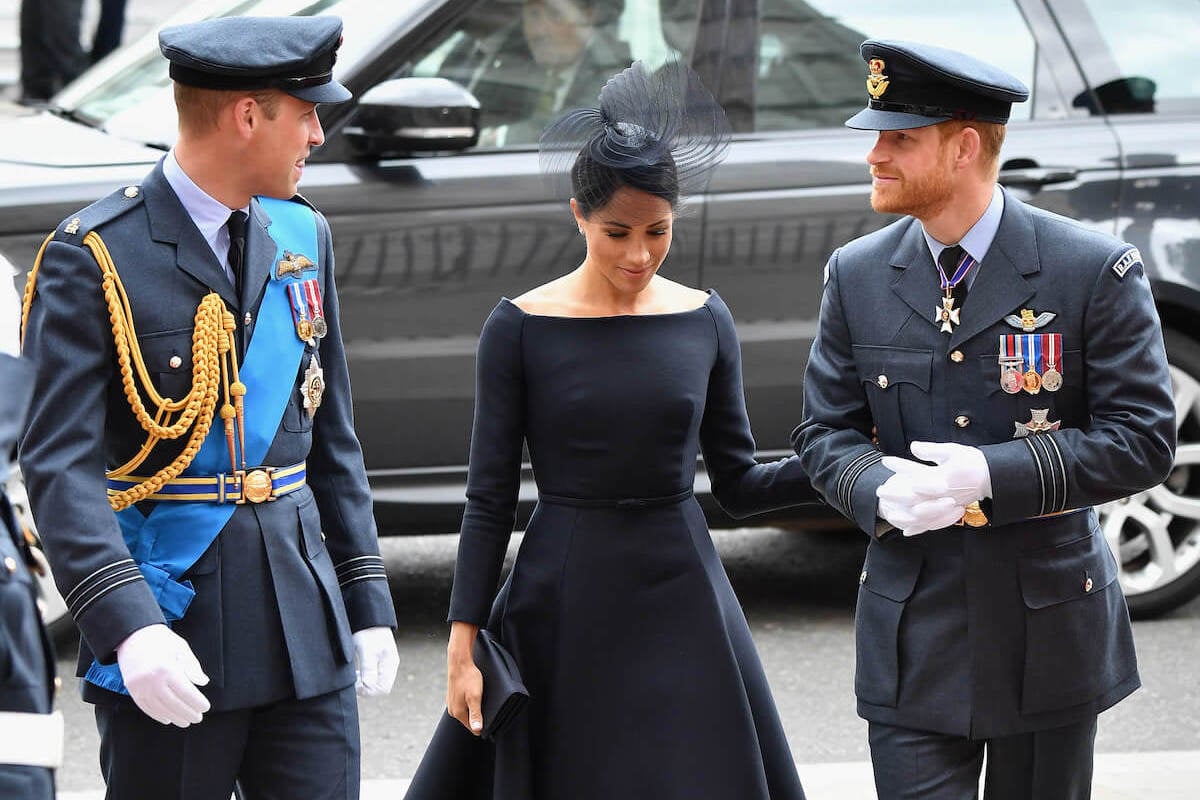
x=811, y=76
x=526, y=61
x=130, y=94
x=1152, y=48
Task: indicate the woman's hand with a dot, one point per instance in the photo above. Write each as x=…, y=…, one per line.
x=464, y=682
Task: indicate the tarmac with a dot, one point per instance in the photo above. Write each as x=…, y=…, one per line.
x=1162, y=775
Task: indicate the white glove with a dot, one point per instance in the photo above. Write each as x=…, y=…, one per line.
x=961, y=472
x=375, y=660
x=904, y=508
x=162, y=673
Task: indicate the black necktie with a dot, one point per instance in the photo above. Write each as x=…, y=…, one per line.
x=949, y=261
x=237, y=248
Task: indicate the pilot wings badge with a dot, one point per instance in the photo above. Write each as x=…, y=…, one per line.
x=293, y=264
x=1028, y=322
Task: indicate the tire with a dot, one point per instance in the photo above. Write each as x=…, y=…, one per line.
x=1155, y=534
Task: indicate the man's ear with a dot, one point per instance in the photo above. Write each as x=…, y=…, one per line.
x=969, y=147
x=245, y=114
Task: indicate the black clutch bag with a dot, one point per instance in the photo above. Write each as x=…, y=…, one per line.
x=504, y=695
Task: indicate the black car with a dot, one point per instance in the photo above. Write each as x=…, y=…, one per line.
x=430, y=180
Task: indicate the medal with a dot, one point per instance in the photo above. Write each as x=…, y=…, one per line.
x=946, y=313
x=1052, y=379
x=1038, y=423
x=1010, y=363
x=304, y=326
x=313, y=387
x=312, y=296
x=1031, y=380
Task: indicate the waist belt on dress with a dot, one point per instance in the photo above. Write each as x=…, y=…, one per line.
x=258, y=485
x=31, y=740
x=606, y=502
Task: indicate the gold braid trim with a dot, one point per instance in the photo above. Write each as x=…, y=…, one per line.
x=212, y=339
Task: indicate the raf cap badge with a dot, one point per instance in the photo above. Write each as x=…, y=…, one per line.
x=877, y=82
x=1027, y=321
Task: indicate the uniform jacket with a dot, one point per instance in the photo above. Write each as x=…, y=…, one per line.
x=1020, y=625
x=284, y=584
x=26, y=658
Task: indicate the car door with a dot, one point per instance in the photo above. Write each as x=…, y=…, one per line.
x=795, y=185
x=427, y=245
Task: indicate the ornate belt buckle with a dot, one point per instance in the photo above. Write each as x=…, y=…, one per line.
x=257, y=485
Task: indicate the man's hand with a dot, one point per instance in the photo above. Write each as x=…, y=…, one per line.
x=913, y=513
x=961, y=472
x=375, y=660
x=162, y=674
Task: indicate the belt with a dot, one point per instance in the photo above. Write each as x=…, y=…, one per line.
x=31, y=740
x=625, y=502
x=258, y=485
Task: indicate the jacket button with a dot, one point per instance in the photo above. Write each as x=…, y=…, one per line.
x=882, y=381
x=862, y=578
x=10, y=563
x=957, y=356
x=176, y=362
x=962, y=420
x=1087, y=585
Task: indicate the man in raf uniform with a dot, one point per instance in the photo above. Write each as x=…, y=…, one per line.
x=30, y=732
x=984, y=373
x=191, y=378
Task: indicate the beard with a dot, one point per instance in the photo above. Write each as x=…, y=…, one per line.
x=921, y=196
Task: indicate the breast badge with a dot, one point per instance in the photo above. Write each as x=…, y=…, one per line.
x=293, y=264
x=313, y=387
x=1027, y=321
x=1038, y=423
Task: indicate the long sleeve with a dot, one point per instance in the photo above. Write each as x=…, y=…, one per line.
x=741, y=485
x=494, y=470
x=70, y=340
x=1129, y=445
x=834, y=436
x=338, y=478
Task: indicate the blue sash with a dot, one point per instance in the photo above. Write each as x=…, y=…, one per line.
x=172, y=538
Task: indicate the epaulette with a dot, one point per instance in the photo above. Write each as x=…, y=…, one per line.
x=73, y=229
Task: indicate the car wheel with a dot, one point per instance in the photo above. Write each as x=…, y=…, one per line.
x=1155, y=534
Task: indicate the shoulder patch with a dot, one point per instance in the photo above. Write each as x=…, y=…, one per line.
x=1131, y=259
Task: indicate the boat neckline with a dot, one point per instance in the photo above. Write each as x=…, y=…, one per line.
x=711, y=294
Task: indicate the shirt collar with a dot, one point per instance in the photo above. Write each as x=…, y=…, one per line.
x=208, y=214
x=978, y=240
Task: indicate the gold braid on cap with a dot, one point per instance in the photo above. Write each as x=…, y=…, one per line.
x=214, y=363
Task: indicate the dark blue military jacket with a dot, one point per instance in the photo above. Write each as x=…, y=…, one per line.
x=1020, y=625
x=280, y=590
x=26, y=657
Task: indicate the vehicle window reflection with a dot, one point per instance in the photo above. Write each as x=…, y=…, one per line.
x=527, y=61
x=809, y=71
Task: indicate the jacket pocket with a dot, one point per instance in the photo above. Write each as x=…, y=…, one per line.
x=896, y=382
x=1078, y=641
x=168, y=357
x=321, y=566
x=888, y=580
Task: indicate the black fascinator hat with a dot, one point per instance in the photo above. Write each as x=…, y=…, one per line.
x=660, y=131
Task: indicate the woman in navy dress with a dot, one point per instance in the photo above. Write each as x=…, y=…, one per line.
x=642, y=676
